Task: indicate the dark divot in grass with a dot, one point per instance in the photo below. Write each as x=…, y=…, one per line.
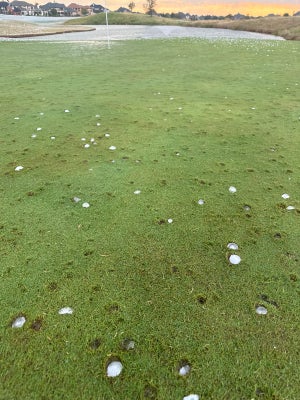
x=95, y=343
x=127, y=344
x=161, y=221
x=113, y=308
x=281, y=206
x=174, y=269
x=293, y=277
x=201, y=299
x=37, y=324
x=88, y=253
x=150, y=392
x=52, y=286
x=259, y=392
x=292, y=256
x=265, y=298
x=277, y=235
x=30, y=194
x=69, y=275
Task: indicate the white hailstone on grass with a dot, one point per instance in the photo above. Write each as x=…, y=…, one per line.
x=92, y=140
x=234, y=259
x=184, y=370
x=232, y=189
x=290, y=208
x=17, y=118
x=65, y=310
x=137, y=192
x=52, y=138
x=76, y=199
x=285, y=196
x=85, y=205
x=67, y=111
x=38, y=129
x=170, y=220
x=33, y=135
x=252, y=108
x=98, y=124
x=232, y=246
x=97, y=116
x=41, y=113
x=18, y=322
x=114, y=369
x=19, y=168
x=83, y=139
x=112, y=148
x=107, y=135
x=191, y=397
x=261, y=310
x=179, y=108
x=86, y=146
x=171, y=98
x=201, y=202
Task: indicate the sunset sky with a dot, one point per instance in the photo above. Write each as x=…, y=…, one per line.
x=204, y=7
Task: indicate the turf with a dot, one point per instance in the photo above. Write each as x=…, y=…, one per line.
x=188, y=118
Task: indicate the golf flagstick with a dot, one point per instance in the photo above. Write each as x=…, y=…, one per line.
x=107, y=29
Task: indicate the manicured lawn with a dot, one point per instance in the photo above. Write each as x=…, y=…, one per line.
x=189, y=119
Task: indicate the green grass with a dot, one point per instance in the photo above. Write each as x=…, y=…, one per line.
x=116, y=18
x=124, y=270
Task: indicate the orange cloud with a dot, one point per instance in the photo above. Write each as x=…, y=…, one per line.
x=212, y=7
x=223, y=8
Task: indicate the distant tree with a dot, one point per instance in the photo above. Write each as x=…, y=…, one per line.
x=84, y=11
x=286, y=15
x=149, y=7
x=131, y=6
x=53, y=12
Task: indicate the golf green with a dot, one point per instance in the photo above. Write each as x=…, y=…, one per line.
x=125, y=175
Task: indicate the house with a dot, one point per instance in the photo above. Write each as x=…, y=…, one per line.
x=97, y=8
x=123, y=10
x=55, y=10
x=239, y=16
x=3, y=7
x=13, y=10
x=78, y=10
x=23, y=7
